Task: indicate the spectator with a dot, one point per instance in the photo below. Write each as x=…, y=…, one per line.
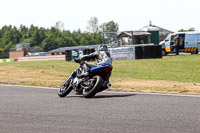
x=176, y=43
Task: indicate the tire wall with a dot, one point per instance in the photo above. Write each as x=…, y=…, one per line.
x=148, y=52
x=70, y=55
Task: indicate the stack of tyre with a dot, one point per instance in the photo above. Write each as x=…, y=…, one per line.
x=148, y=51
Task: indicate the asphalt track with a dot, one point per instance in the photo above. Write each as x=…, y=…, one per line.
x=40, y=110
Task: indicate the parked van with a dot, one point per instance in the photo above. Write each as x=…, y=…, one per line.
x=188, y=42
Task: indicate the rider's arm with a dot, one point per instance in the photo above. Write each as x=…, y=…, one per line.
x=90, y=56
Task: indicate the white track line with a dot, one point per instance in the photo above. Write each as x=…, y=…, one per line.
x=38, y=87
x=159, y=94
x=137, y=93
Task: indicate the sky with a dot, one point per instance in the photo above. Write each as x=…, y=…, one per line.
x=75, y=14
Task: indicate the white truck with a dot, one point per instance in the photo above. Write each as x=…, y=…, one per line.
x=188, y=42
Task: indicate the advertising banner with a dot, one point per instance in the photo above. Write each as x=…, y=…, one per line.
x=122, y=53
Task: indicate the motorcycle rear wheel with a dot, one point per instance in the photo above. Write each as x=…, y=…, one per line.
x=65, y=88
x=94, y=89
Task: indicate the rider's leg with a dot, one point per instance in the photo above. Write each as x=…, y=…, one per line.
x=90, y=65
x=108, y=77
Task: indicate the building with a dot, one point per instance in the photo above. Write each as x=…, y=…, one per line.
x=22, y=50
x=162, y=31
x=133, y=37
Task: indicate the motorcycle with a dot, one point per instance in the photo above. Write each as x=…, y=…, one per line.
x=87, y=80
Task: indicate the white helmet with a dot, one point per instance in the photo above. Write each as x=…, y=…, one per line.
x=102, y=48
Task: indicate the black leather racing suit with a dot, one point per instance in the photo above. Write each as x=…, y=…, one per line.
x=102, y=58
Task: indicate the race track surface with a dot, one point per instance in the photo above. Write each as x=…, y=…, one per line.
x=40, y=110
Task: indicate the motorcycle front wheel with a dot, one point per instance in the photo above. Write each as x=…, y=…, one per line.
x=65, y=88
x=95, y=86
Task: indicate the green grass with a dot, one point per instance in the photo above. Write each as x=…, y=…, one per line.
x=59, y=67
x=183, y=68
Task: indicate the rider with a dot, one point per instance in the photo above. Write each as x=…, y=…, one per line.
x=102, y=56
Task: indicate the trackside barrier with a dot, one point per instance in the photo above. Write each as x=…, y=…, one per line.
x=15, y=60
x=136, y=52
x=12, y=60
x=122, y=53
x=148, y=51
x=8, y=60
x=131, y=52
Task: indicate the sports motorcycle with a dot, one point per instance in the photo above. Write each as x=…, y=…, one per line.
x=87, y=80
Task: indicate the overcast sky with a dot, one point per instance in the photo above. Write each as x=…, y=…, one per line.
x=129, y=14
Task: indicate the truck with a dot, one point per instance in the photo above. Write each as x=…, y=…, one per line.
x=188, y=42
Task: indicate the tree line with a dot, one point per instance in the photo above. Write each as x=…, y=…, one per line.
x=188, y=30
x=48, y=39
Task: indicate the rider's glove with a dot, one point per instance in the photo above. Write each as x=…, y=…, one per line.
x=77, y=60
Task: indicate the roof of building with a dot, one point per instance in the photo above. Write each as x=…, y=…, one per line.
x=160, y=29
x=135, y=33
x=63, y=49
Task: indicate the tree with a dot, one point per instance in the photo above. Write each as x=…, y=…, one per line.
x=93, y=25
x=110, y=27
x=110, y=30
x=59, y=25
x=189, y=30
x=50, y=43
x=46, y=39
x=36, y=39
x=24, y=34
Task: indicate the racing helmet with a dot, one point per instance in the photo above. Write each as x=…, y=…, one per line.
x=102, y=48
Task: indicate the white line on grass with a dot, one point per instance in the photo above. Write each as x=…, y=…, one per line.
x=138, y=93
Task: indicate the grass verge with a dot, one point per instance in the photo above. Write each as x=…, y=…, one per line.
x=177, y=74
